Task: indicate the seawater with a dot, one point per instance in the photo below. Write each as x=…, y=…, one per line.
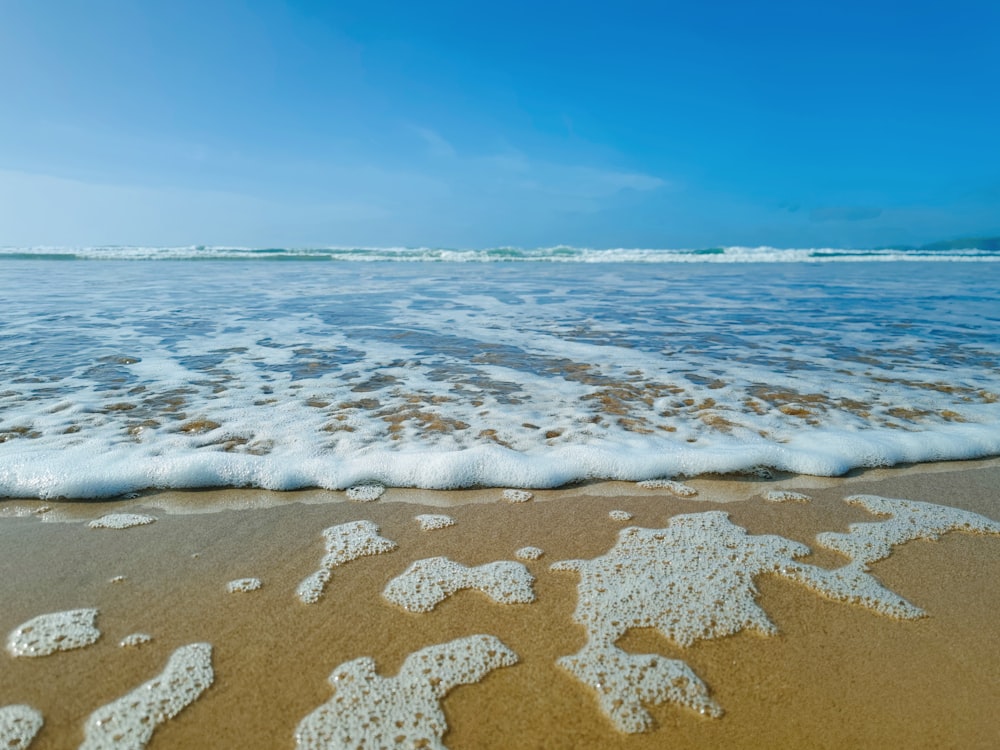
x=130, y=368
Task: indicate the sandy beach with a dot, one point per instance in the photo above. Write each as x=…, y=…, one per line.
x=834, y=675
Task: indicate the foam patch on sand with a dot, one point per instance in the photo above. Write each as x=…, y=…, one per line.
x=786, y=496
x=121, y=521
x=433, y=522
x=674, y=488
x=243, y=585
x=869, y=542
x=528, y=553
x=427, y=583
x=368, y=710
x=57, y=631
x=516, y=496
x=133, y=640
x=129, y=722
x=694, y=580
x=18, y=726
x=619, y=515
x=344, y=543
x=365, y=493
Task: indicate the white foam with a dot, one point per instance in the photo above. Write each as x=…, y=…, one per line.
x=343, y=543
x=368, y=710
x=529, y=553
x=510, y=381
x=121, y=521
x=128, y=723
x=694, y=580
x=619, y=515
x=866, y=543
x=18, y=726
x=243, y=585
x=516, y=496
x=427, y=583
x=674, y=488
x=786, y=496
x=365, y=493
x=625, y=681
x=133, y=640
x=434, y=521
x=57, y=631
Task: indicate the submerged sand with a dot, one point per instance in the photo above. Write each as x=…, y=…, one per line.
x=835, y=674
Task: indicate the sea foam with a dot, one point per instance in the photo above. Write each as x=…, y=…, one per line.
x=427, y=583
x=382, y=376
x=368, y=710
x=56, y=631
x=694, y=580
x=343, y=543
x=18, y=726
x=129, y=722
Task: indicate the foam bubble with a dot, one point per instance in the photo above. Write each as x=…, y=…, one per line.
x=427, y=583
x=365, y=493
x=135, y=639
x=243, y=585
x=619, y=515
x=674, y=488
x=516, y=496
x=528, y=553
x=369, y=710
x=433, y=521
x=786, y=496
x=57, y=631
x=121, y=521
x=343, y=543
x=18, y=726
x=128, y=723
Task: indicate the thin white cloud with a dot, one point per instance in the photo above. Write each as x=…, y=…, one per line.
x=436, y=145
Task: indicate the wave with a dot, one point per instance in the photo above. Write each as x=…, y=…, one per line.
x=556, y=254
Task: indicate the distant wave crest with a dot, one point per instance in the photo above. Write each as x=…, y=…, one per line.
x=556, y=254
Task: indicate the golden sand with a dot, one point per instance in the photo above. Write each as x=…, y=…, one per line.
x=835, y=674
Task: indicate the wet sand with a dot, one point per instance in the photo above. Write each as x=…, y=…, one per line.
x=835, y=675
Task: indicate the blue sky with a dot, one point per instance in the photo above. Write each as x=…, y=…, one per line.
x=470, y=124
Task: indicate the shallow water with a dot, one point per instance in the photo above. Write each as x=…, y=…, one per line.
x=121, y=375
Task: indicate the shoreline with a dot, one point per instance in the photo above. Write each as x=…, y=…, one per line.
x=835, y=674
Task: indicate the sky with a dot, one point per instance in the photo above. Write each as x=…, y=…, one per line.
x=474, y=124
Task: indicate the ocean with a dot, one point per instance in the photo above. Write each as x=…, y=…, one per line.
x=126, y=368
